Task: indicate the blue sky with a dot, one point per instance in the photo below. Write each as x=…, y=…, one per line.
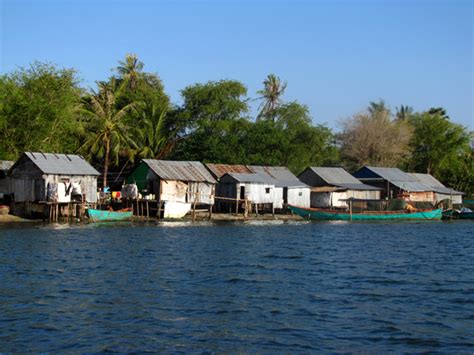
x=335, y=55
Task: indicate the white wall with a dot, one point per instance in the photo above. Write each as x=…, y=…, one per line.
x=299, y=196
x=257, y=193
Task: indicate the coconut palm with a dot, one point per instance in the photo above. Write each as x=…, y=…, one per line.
x=106, y=134
x=404, y=112
x=153, y=134
x=378, y=107
x=130, y=70
x=271, y=95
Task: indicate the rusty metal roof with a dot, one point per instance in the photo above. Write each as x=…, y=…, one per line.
x=219, y=170
x=281, y=175
x=180, y=170
x=61, y=164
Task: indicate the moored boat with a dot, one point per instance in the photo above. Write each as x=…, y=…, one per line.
x=104, y=215
x=463, y=213
x=328, y=215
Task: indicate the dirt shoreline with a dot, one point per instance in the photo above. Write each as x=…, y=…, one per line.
x=8, y=218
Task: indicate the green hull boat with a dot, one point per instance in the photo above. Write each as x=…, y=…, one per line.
x=102, y=216
x=326, y=215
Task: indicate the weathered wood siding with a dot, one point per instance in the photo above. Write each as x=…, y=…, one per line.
x=204, y=191
x=456, y=199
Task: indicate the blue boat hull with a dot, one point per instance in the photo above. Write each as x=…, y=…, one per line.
x=101, y=216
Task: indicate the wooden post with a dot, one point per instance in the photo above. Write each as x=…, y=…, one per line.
x=350, y=208
x=246, y=211
x=194, y=206
x=210, y=212
x=236, y=206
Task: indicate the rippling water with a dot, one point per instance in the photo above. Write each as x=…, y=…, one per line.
x=254, y=287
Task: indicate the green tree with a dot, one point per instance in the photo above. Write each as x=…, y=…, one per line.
x=273, y=90
x=213, y=115
x=440, y=147
x=291, y=140
x=37, y=110
x=106, y=133
x=214, y=101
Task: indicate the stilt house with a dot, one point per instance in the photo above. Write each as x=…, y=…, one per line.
x=240, y=183
x=440, y=192
x=48, y=177
x=289, y=190
x=175, y=181
x=331, y=187
x=395, y=184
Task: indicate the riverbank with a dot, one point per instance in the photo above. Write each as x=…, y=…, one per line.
x=215, y=217
x=8, y=218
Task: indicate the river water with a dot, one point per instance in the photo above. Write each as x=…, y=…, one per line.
x=238, y=287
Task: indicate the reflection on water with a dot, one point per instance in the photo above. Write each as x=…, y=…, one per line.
x=266, y=286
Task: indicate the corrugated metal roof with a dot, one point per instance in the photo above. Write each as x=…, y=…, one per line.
x=61, y=164
x=427, y=179
x=436, y=185
x=281, y=175
x=335, y=176
x=180, y=170
x=252, y=178
x=340, y=177
x=400, y=179
x=6, y=164
x=218, y=170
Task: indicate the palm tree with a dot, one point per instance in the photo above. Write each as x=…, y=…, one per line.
x=106, y=132
x=404, y=112
x=271, y=95
x=153, y=134
x=130, y=70
x=378, y=107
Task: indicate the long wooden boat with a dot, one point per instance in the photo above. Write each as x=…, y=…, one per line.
x=327, y=215
x=101, y=215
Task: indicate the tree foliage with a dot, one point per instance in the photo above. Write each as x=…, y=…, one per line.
x=43, y=108
x=271, y=96
x=37, y=110
x=442, y=148
x=105, y=131
x=374, y=138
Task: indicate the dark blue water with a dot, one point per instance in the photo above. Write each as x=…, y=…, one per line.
x=256, y=287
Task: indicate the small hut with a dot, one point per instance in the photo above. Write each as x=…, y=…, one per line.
x=175, y=183
x=395, y=184
x=440, y=191
x=255, y=189
x=331, y=187
x=289, y=190
x=258, y=189
x=36, y=178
